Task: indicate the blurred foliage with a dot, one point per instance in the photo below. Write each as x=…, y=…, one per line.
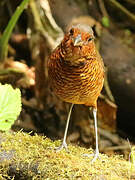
x=10, y=106
x=8, y=31
x=105, y=21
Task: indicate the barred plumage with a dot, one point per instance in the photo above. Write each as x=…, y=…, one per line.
x=76, y=71
x=80, y=80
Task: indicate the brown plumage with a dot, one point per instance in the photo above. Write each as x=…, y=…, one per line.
x=76, y=69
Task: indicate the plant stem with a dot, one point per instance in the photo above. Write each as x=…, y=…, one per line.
x=7, y=32
x=123, y=9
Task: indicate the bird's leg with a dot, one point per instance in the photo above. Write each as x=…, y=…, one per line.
x=96, y=154
x=64, y=144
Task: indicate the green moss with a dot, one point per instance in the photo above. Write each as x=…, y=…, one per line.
x=34, y=157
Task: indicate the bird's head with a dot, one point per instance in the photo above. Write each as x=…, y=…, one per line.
x=78, y=43
x=81, y=35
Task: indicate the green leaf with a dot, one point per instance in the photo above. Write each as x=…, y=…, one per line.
x=10, y=106
x=105, y=21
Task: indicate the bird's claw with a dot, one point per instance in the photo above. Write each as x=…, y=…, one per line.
x=63, y=145
x=96, y=156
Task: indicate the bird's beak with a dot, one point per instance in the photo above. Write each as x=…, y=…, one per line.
x=78, y=40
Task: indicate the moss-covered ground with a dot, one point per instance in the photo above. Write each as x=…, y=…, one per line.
x=23, y=156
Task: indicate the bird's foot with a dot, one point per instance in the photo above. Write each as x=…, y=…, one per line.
x=95, y=155
x=63, y=145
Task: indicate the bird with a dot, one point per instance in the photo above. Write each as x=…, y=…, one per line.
x=76, y=73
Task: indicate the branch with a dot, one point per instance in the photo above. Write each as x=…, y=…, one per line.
x=123, y=9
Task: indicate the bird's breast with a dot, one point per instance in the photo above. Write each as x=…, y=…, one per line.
x=78, y=85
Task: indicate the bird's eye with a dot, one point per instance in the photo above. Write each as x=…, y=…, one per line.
x=71, y=31
x=90, y=39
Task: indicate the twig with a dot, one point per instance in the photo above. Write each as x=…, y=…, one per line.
x=45, y=24
x=132, y=2
x=102, y=8
x=113, y=137
x=114, y=148
x=107, y=88
x=123, y=9
x=108, y=101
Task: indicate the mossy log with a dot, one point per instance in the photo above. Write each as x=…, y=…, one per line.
x=24, y=156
